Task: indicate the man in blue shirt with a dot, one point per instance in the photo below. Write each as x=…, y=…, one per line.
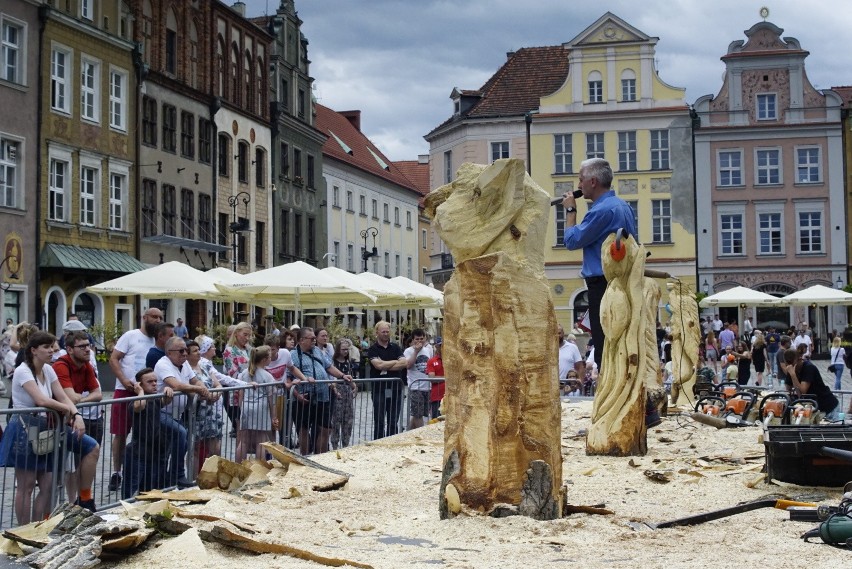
x=607, y=213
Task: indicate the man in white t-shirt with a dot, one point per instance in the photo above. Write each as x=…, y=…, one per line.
x=419, y=386
x=803, y=339
x=174, y=371
x=569, y=357
x=128, y=357
x=717, y=325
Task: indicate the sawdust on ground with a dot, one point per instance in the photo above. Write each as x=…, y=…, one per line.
x=387, y=515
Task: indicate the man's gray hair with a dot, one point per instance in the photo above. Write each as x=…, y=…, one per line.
x=599, y=169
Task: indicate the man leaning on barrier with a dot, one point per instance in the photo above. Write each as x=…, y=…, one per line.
x=146, y=457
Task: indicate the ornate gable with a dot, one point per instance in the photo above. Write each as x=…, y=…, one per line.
x=609, y=28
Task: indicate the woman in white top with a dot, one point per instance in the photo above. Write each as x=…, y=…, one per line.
x=258, y=422
x=34, y=384
x=837, y=353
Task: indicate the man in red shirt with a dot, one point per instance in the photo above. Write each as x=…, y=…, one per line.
x=77, y=377
x=435, y=368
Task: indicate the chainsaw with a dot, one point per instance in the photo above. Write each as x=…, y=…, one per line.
x=804, y=412
x=727, y=389
x=717, y=412
x=773, y=409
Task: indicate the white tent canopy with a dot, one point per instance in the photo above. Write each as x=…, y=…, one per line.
x=169, y=280
x=737, y=296
x=295, y=284
x=817, y=294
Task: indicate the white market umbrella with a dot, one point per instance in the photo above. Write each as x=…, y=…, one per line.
x=169, y=280
x=294, y=284
x=222, y=275
x=817, y=294
x=390, y=293
x=737, y=296
x=419, y=289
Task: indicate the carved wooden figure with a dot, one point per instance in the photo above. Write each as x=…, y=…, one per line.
x=618, y=412
x=502, y=434
x=686, y=337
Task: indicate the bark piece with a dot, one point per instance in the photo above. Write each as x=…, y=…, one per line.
x=502, y=393
x=618, y=412
x=227, y=537
x=126, y=542
x=537, y=499
x=77, y=552
x=35, y=534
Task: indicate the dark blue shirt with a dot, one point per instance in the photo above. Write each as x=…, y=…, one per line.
x=606, y=215
x=154, y=355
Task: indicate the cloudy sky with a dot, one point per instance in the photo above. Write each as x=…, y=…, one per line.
x=398, y=60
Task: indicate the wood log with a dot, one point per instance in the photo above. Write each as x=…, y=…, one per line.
x=502, y=400
x=618, y=412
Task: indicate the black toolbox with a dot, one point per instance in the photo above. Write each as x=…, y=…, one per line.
x=793, y=454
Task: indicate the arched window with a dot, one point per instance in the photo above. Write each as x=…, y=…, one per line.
x=248, y=83
x=261, y=91
x=147, y=29
x=220, y=67
x=235, y=74
x=595, y=87
x=259, y=167
x=581, y=305
x=193, y=55
x=171, y=42
x=242, y=161
x=628, y=85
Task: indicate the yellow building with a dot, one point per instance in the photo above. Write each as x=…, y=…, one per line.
x=87, y=221
x=613, y=105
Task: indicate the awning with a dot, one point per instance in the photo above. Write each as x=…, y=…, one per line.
x=175, y=241
x=55, y=256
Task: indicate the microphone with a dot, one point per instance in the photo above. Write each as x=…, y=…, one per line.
x=577, y=195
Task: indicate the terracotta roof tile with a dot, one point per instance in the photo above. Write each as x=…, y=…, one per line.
x=356, y=149
x=527, y=75
x=417, y=172
x=845, y=94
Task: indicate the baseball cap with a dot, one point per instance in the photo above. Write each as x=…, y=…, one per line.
x=73, y=326
x=438, y=340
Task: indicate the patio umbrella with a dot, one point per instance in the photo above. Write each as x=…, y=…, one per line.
x=737, y=296
x=421, y=290
x=169, y=280
x=817, y=294
x=294, y=284
x=387, y=293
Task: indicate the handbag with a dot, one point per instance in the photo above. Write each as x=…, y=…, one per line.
x=833, y=367
x=42, y=441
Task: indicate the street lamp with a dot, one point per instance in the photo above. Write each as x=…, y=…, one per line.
x=838, y=284
x=372, y=253
x=706, y=287
x=238, y=226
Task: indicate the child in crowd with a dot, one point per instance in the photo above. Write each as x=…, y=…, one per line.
x=146, y=456
x=258, y=421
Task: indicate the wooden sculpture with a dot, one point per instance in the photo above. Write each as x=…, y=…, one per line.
x=502, y=434
x=685, y=338
x=651, y=372
x=618, y=412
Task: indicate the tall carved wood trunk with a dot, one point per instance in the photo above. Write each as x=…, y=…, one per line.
x=502, y=399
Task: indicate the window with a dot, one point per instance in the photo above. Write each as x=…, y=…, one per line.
x=297, y=165
x=9, y=156
x=285, y=231
x=88, y=187
x=117, y=200
x=807, y=166
x=285, y=160
x=311, y=172
x=659, y=150
x=222, y=230
x=259, y=168
x=169, y=128
x=386, y=211
x=661, y=221
x=810, y=231
x=767, y=166
x=187, y=134
x=409, y=268
x=397, y=265
x=362, y=204
x=335, y=255
x=769, y=233
x=408, y=220
x=149, y=208
x=171, y=51
x=60, y=77
x=58, y=187
x=169, y=212
x=594, y=145
x=12, y=51
x=424, y=239
x=559, y=221
x=766, y=107
x=335, y=196
x=89, y=89
x=193, y=56
x=242, y=161
x=730, y=168
x=205, y=140
x=205, y=232
x=224, y=154
x=448, y=167
x=375, y=209
x=301, y=103
x=350, y=206
x=235, y=74
x=312, y=238
x=634, y=205
x=595, y=88
x=350, y=258
x=297, y=234
x=117, y=98
x=387, y=264
x=396, y=216
x=86, y=10
x=627, y=151
x=628, y=90
x=499, y=150
x=187, y=214
x=731, y=234
x=284, y=95
x=149, y=121
x=562, y=157
x=260, y=235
